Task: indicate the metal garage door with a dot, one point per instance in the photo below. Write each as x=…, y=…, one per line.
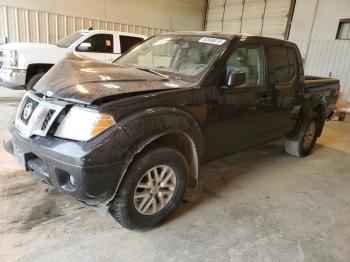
x=259, y=17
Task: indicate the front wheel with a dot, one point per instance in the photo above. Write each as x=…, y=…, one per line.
x=151, y=190
x=306, y=139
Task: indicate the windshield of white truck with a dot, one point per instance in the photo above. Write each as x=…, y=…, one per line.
x=183, y=56
x=70, y=39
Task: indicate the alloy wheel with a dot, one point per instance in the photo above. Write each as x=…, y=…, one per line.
x=309, y=134
x=155, y=189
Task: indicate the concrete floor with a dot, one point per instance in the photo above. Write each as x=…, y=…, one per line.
x=258, y=205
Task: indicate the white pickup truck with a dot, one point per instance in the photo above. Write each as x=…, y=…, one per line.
x=25, y=63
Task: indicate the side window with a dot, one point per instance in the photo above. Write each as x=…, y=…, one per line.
x=282, y=62
x=248, y=60
x=126, y=42
x=100, y=43
x=343, y=29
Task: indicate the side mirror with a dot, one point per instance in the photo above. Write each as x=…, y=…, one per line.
x=83, y=47
x=236, y=79
x=4, y=40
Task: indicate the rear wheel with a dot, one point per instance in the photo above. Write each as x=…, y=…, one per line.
x=306, y=139
x=151, y=189
x=35, y=78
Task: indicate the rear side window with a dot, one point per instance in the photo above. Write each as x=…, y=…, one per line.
x=282, y=63
x=126, y=42
x=100, y=43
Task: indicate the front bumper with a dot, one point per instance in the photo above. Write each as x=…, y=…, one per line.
x=12, y=78
x=54, y=160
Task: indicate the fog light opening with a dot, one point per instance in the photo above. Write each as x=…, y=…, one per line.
x=71, y=180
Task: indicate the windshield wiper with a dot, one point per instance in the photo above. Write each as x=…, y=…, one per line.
x=153, y=72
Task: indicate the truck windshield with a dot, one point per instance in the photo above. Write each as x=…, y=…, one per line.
x=70, y=39
x=183, y=56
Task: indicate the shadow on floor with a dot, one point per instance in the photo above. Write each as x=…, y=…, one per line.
x=217, y=176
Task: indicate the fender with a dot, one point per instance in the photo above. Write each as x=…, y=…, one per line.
x=318, y=104
x=145, y=126
x=37, y=55
x=33, y=69
x=310, y=103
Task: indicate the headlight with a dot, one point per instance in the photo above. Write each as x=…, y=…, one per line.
x=82, y=124
x=9, y=58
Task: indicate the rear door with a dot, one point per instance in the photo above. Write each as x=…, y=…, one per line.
x=284, y=84
x=126, y=42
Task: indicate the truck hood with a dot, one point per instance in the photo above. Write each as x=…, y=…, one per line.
x=27, y=46
x=81, y=80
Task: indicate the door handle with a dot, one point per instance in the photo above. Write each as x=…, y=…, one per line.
x=263, y=96
x=265, y=99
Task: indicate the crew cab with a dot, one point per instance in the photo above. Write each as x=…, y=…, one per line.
x=129, y=137
x=25, y=63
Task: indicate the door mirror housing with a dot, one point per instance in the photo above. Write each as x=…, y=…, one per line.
x=83, y=47
x=4, y=40
x=236, y=79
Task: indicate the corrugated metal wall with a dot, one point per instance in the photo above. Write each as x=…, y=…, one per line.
x=258, y=17
x=314, y=29
x=24, y=25
x=328, y=58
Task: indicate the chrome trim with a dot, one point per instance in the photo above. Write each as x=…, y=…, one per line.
x=35, y=122
x=11, y=76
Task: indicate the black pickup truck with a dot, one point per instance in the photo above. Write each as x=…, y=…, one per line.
x=129, y=137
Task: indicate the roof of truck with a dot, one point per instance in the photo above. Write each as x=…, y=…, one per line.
x=113, y=32
x=228, y=35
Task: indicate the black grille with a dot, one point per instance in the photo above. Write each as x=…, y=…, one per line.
x=34, y=105
x=47, y=119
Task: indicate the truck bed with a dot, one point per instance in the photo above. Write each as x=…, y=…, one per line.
x=328, y=87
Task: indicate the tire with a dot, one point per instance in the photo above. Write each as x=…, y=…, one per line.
x=306, y=139
x=35, y=78
x=132, y=214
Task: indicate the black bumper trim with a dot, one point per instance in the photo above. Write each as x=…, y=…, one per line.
x=94, y=184
x=38, y=169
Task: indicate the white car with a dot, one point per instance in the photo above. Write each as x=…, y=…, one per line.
x=0, y=55
x=25, y=63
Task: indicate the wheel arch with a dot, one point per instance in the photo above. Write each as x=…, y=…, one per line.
x=315, y=104
x=180, y=141
x=33, y=69
x=161, y=126
x=320, y=109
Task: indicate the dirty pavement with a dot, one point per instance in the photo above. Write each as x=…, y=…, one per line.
x=245, y=204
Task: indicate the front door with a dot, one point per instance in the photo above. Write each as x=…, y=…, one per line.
x=101, y=47
x=240, y=116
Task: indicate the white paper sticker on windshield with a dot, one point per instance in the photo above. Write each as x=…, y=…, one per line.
x=212, y=40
